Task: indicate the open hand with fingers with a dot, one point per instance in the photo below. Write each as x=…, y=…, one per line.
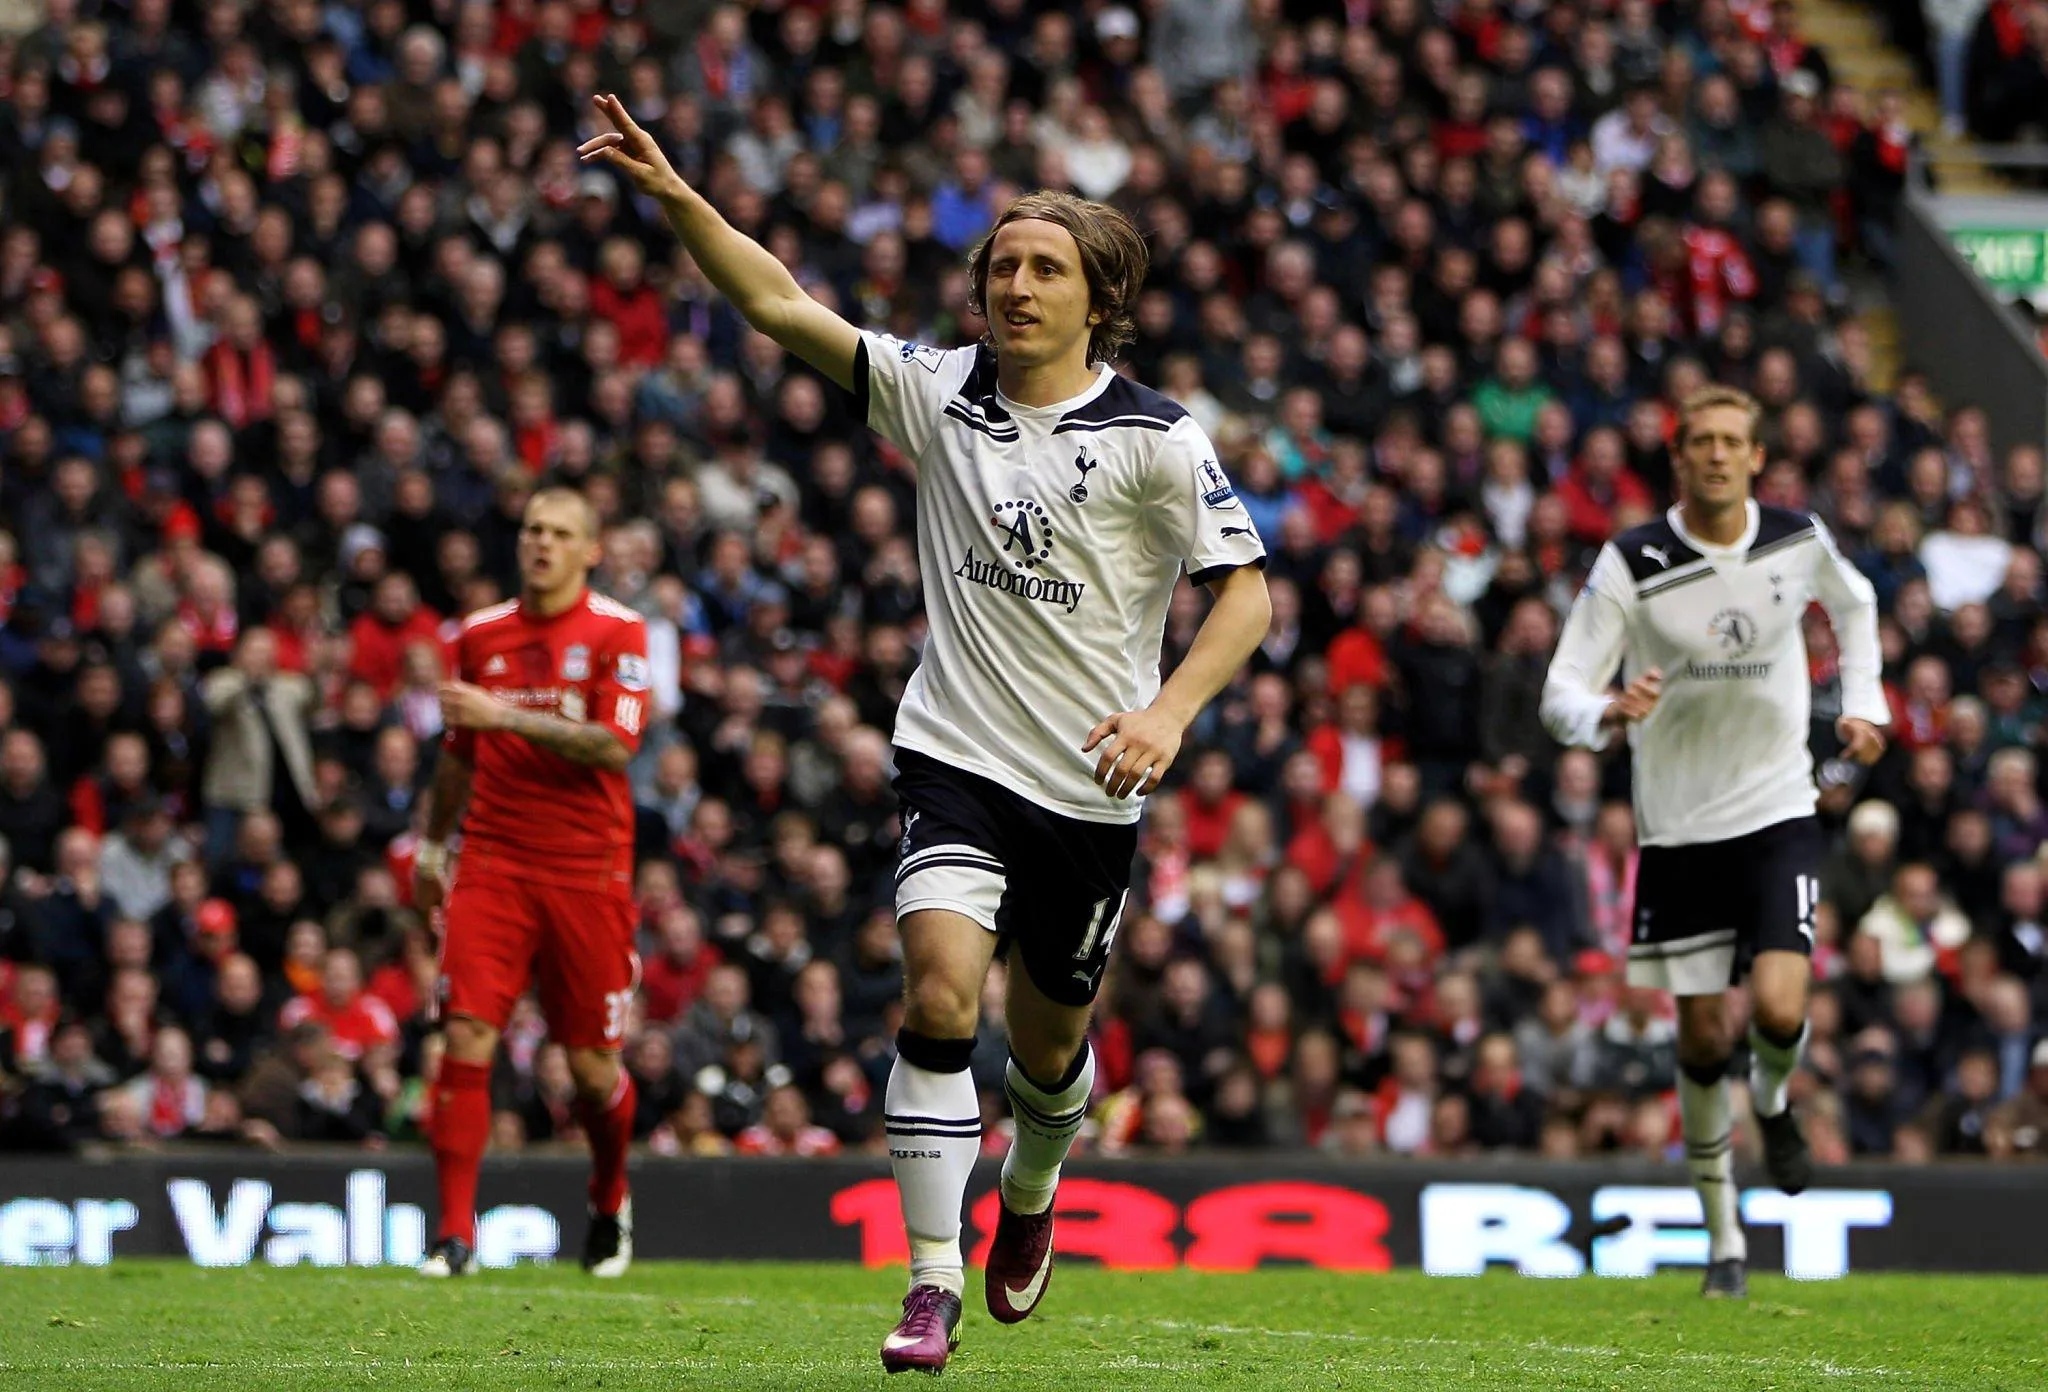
x=1138, y=747
x=630, y=150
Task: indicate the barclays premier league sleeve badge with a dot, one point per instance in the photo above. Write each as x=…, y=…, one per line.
x=1216, y=489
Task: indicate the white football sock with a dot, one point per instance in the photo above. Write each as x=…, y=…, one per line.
x=1047, y=1123
x=1771, y=1067
x=1709, y=1156
x=933, y=1120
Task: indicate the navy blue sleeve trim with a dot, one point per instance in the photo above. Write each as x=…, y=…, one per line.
x=1212, y=574
x=862, y=399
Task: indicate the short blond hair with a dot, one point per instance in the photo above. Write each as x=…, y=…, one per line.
x=560, y=493
x=1716, y=397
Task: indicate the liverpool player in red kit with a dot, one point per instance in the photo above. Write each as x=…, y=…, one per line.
x=546, y=711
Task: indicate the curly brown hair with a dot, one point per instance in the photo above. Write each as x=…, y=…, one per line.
x=1113, y=257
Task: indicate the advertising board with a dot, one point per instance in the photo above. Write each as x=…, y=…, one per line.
x=230, y=1209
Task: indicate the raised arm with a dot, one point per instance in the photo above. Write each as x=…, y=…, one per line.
x=759, y=286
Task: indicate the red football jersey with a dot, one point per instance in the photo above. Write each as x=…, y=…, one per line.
x=532, y=813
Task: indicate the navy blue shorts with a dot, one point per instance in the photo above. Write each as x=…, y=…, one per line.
x=1704, y=911
x=1053, y=885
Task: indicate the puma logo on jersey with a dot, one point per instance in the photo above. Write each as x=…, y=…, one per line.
x=495, y=667
x=1237, y=531
x=1656, y=553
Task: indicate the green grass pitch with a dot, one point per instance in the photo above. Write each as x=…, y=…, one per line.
x=150, y=1324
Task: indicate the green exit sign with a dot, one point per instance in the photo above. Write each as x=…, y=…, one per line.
x=2011, y=258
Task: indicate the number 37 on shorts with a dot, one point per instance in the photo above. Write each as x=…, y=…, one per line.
x=574, y=949
x=617, y=1005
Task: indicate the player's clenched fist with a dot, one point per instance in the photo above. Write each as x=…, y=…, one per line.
x=467, y=707
x=630, y=150
x=1638, y=701
x=1140, y=748
x=1861, y=740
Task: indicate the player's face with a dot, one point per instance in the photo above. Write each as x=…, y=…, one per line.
x=1037, y=297
x=1717, y=458
x=556, y=549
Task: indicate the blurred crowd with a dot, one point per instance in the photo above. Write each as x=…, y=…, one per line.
x=1988, y=60
x=299, y=302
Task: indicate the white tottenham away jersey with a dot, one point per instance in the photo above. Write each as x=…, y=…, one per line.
x=1050, y=539
x=1725, y=751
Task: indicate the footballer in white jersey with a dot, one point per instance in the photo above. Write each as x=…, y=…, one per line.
x=1703, y=612
x=1050, y=540
x=1058, y=506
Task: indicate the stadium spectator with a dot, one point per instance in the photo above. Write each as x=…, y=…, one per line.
x=1860, y=870
x=1914, y=924
x=261, y=754
x=358, y=1024
x=172, y=1100
x=785, y=1128
x=60, y=1108
x=136, y=861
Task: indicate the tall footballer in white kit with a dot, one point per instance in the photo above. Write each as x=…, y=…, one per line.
x=1058, y=506
x=1703, y=609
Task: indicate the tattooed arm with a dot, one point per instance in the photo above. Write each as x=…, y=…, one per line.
x=467, y=707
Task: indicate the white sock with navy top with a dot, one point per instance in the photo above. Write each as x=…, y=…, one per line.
x=932, y=1116
x=1772, y=1062
x=1048, y=1119
x=1709, y=1155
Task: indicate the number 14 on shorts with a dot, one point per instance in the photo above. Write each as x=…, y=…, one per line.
x=1097, y=929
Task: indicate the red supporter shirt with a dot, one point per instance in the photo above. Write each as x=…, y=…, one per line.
x=1367, y=930
x=392, y=984
x=638, y=315
x=1719, y=271
x=812, y=1140
x=532, y=813
x=365, y=1023
x=1209, y=823
x=379, y=648
x=1355, y=658
x=669, y=988
x=1589, y=508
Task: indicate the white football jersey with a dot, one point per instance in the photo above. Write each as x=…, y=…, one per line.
x=1050, y=539
x=1724, y=752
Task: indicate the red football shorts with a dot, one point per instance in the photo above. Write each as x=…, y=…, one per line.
x=505, y=933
